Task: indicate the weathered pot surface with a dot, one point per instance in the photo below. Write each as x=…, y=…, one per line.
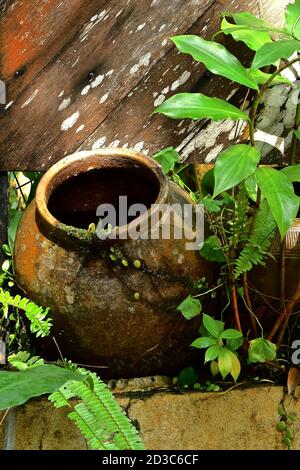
x=106, y=313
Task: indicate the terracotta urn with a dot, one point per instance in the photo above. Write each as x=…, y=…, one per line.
x=113, y=302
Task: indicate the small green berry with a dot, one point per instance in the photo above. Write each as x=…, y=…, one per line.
x=197, y=386
x=113, y=257
x=112, y=249
x=136, y=296
x=125, y=262
x=137, y=264
x=281, y=426
x=288, y=433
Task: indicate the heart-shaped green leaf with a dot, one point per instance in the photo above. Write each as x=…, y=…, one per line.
x=216, y=58
x=198, y=106
x=279, y=192
x=234, y=165
x=190, y=307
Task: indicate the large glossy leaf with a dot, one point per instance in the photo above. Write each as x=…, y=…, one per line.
x=253, y=39
x=234, y=165
x=271, y=52
x=292, y=18
x=292, y=172
x=18, y=387
x=198, y=106
x=216, y=58
x=262, y=77
x=279, y=192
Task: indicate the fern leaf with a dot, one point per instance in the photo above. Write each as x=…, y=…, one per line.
x=98, y=416
x=36, y=315
x=256, y=248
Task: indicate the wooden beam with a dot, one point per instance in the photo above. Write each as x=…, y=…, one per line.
x=3, y=211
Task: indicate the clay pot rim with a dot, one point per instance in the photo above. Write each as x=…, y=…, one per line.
x=45, y=188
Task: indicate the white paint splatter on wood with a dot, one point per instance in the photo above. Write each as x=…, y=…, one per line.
x=85, y=90
x=99, y=143
x=98, y=80
x=103, y=98
x=64, y=104
x=27, y=102
x=70, y=121
x=80, y=128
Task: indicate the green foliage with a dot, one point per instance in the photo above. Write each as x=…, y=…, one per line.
x=261, y=77
x=213, y=341
x=256, y=248
x=190, y=307
x=261, y=350
x=233, y=166
x=39, y=324
x=98, y=415
x=17, y=388
x=187, y=377
x=212, y=250
x=240, y=33
x=23, y=361
x=271, y=52
x=292, y=15
x=292, y=172
x=167, y=158
x=216, y=58
x=199, y=106
x=279, y=192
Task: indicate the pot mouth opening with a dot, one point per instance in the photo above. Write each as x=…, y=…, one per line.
x=110, y=185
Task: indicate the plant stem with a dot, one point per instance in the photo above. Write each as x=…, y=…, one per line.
x=249, y=304
x=286, y=312
x=235, y=309
x=282, y=271
x=292, y=156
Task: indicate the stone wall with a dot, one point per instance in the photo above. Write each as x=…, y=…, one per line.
x=235, y=419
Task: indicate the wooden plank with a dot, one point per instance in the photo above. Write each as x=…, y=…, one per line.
x=3, y=212
x=32, y=32
x=131, y=123
x=119, y=48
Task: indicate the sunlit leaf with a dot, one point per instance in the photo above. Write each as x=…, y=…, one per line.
x=199, y=106
x=212, y=353
x=262, y=77
x=292, y=18
x=292, y=172
x=254, y=40
x=271, y=52
x=215, y=57
x=279, y=192
x=234, y=165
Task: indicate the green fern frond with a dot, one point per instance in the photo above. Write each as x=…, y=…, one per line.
x=39, y=324
x=256, y=248
x=98, y=416
x=238, y=220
